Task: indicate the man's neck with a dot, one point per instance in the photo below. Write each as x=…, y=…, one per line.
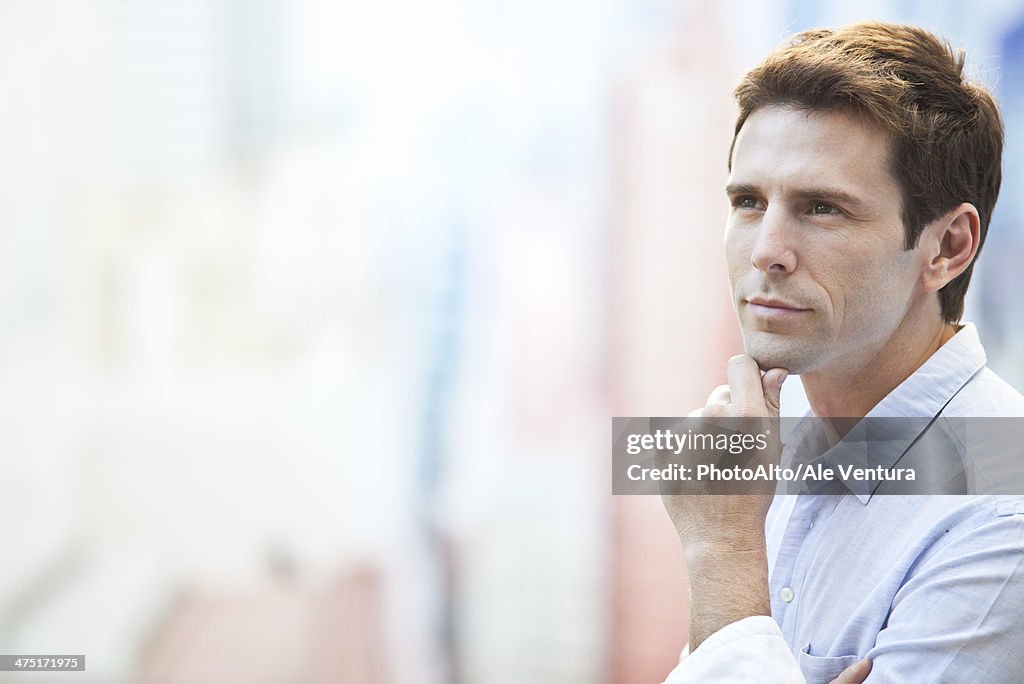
x=853, y=393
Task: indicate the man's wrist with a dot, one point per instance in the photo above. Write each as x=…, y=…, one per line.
x=728, y=582
x=735, y=536
x=737, y=549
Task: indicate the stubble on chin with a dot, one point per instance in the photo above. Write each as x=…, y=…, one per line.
x=769, y=353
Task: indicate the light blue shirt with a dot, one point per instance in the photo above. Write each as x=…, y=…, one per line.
x=928, y=587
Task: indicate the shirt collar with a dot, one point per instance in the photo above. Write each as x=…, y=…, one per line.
x=915, y=403
x=928, y=389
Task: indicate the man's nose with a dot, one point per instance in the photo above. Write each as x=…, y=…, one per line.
x=774, y=248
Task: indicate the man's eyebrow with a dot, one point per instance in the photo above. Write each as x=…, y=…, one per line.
x=741, y=189
x=823, y=194
x=828, y=195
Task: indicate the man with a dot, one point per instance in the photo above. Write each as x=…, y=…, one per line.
x=863, y=175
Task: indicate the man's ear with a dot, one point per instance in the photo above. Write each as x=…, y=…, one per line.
x=952, y=242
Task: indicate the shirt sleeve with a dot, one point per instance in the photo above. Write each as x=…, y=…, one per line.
x=751, y=650
x=957, y=617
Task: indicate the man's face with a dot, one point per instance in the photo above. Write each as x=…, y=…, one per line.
x=814, y=241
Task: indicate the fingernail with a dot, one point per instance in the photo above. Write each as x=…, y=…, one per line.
x=783, y=376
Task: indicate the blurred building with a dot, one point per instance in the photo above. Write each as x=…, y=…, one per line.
x=313, y=315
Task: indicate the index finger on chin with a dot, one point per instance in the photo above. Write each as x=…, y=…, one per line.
x=745, y=382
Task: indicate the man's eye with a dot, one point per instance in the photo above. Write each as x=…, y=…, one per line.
x=745, y=202
x=824, y=209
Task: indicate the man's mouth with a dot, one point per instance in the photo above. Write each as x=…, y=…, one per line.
x=770, y=307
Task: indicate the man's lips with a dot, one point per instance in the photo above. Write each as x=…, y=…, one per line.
x=774, y=309
x=774, y=304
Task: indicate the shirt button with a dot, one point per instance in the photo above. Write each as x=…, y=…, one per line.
x=786, y=594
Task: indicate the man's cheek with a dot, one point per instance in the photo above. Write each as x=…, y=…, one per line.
x=738, y=267
x=739, y=246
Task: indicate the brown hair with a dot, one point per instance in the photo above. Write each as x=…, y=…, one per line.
x=945, y=134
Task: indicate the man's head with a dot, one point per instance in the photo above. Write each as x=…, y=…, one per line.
x=864, y=172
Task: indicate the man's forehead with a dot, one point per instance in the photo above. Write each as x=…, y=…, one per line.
x=810, y=148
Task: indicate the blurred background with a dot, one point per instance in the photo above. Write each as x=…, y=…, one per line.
x=313, y=315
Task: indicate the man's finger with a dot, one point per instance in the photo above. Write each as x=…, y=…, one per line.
x=771, y=385
x=745, y=384
x=855, y=674
x=720, y=395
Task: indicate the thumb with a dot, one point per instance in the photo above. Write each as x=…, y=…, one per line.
x=855, y=674
x=771, y=384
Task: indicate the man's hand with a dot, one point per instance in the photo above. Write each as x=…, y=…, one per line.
x=717, y=520
x=855, y=674
x=723, y=535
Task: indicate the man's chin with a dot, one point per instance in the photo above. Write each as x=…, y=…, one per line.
x=770, y=356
